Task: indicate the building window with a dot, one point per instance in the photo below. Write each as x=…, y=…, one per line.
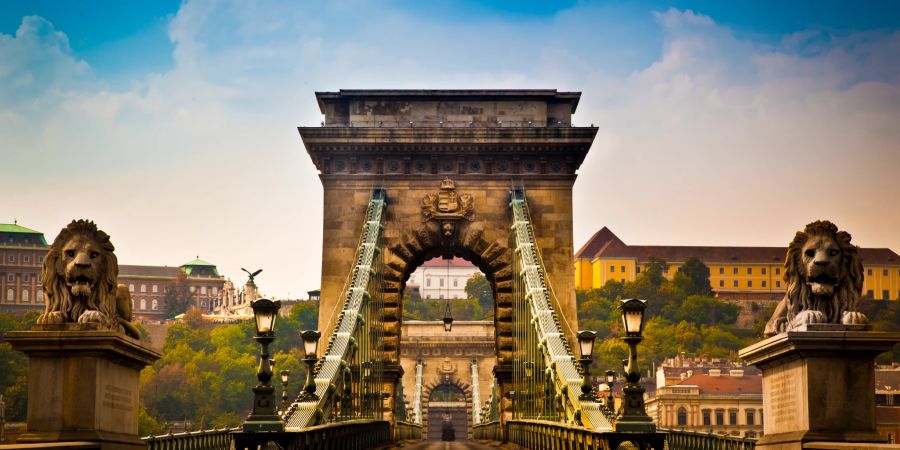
x=734, y=271
x=27, y=259
x=40, y=259
x=11, y=258
x=143, y=288
x=428, y=282
x=890, y=439
x=885, y=295
x=763, y=270
x=735, y=283
x=202, y=290
x=11, y=278
x=707, y=417
x=760, y=416
x=720, y=417
x=637, y=269
x=215, y=290
x=869, y=272
x=682, y=417
x=884, y=272
x=763, y=283
x=612, y=268
x=732, y=417
x=751, y=416
x=623, y=269
x=441, y=282
x=155, y=288
x=10, y=295
x=777, y=283
x=455, y=282
x=721, y=271
x=155, y=304
x=143, y=304
x=749, y=271
x=870, y=294
x=25, y=296
x=749, y=283
x=40, y=296
x=778, y=271
x=131, y=288
x=26, y=278
x=721, y=283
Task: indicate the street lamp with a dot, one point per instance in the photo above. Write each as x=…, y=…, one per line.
x=284, y=387
x=586, y=344
x=310, y=347
x=633, y=417
x=448, y=319
x=263, y=417
x=610, y=380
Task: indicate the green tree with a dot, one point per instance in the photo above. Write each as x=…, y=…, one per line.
x=707, y=311
x=656, y=271
x=478, y=287
x=697, y=276
x=178, y=297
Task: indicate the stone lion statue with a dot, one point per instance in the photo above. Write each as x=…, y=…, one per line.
x=824, y=280
x=79, y=281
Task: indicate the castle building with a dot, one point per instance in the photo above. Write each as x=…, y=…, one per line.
x=440, y=278
x=735, y=273
x=711, y=400
x=22, y=253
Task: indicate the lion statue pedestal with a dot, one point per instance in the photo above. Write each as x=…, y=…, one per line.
x=82, y=384
x=819, y=384
x=85, y=356
x=818, y=364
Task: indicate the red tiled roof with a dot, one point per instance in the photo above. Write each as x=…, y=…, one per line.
x=607, y=245
x=599, y=241
x=440, y=262
x=725, y=384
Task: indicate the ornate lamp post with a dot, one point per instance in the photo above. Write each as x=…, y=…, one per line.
x=264, y=417
x=610, y=380
x=448, y=318
x=586, y=344
x=285, y=374
x=310, y=347
x=633, y=416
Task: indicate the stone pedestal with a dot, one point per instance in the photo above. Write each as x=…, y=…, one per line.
x=818, y=385
x=82, y=385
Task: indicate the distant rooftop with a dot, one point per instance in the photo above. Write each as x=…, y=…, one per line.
x=450, y=94
x=605, y=244
x=200, y=267
x=25, y=234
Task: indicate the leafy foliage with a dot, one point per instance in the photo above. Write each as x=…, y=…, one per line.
x=678, y=319
x=478, y=287
x=14, y=365
x=207, y=370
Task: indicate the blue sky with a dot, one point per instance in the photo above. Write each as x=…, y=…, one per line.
x=721, y=123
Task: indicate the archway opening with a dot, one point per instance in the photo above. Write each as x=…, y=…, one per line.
x=448, y=418
x=440, y=286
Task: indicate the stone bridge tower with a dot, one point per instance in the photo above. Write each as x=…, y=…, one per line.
x=447, y=160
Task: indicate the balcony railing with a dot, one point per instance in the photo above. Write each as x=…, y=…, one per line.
x=409, y=431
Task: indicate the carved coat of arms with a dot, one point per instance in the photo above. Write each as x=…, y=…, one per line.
x=447, y=204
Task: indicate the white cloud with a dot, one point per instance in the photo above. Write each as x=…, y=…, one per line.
x=718, y=140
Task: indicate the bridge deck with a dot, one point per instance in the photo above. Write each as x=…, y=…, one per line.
x=443, y=445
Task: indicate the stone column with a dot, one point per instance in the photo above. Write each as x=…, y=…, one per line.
x=82, y=384
x=819, y=384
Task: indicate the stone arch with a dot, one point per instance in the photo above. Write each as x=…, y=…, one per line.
x=461, y=238
x=448, y=380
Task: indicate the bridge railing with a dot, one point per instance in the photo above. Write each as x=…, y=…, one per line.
x=215, y=439
x=409, y=431
x=348, y=435
x=487, y=431
x=693, y=440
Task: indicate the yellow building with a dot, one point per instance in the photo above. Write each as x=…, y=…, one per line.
x=740, y=273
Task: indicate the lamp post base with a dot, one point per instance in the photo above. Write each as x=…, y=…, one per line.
x=634, y=418
x=263, y=417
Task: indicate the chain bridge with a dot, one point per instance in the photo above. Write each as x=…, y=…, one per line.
x=412, y=175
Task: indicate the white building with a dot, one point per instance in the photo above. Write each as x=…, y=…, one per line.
x=440, y=278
